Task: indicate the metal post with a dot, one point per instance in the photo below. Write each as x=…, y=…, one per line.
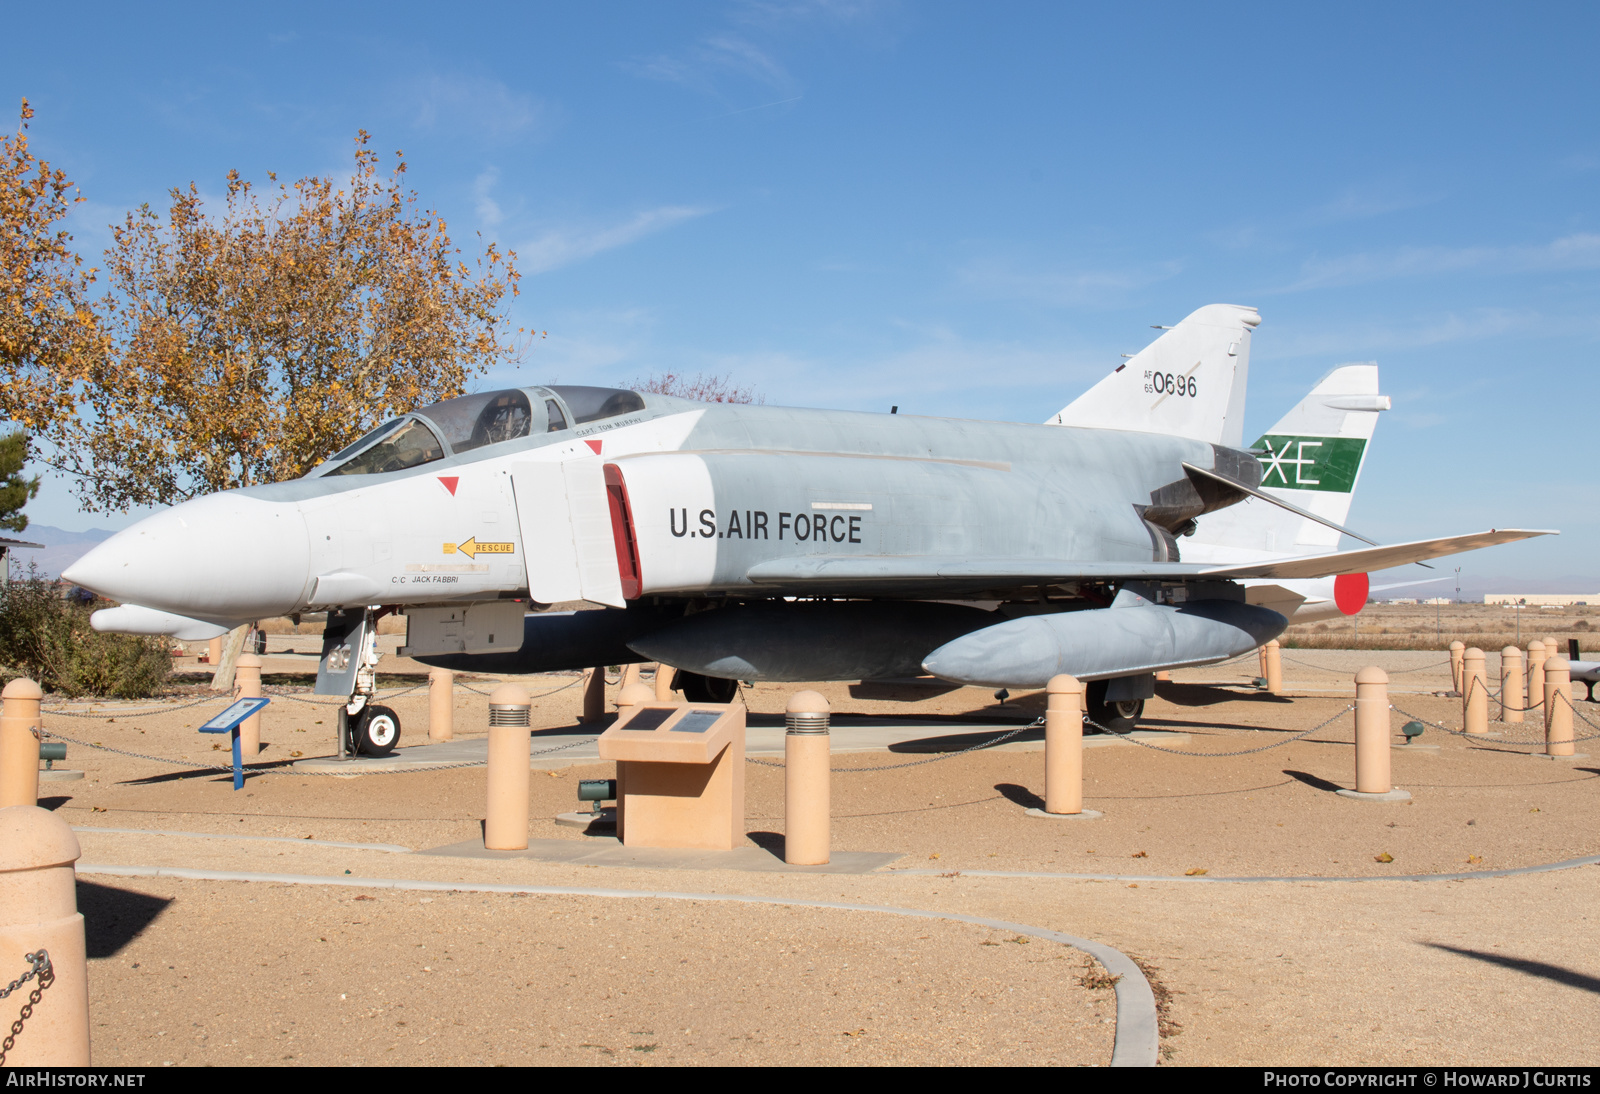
x=807, y=789
x=505, y=826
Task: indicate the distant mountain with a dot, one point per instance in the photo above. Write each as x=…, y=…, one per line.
x=61, y=548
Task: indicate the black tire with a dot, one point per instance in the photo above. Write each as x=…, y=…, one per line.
x=377, y=731
x=1122, y=716
x=707, y=689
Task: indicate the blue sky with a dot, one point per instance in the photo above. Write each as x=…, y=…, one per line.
x=962, y=209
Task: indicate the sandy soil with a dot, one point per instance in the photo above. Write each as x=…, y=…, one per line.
x=1481, y=971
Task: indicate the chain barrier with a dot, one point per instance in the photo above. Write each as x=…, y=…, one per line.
x=1216, y=755
x=1006, y=736
x=1393, y=672
x=62, y=712
x=38, y=966
x=1495, y=740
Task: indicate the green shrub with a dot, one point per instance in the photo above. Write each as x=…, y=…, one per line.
x=49, y=639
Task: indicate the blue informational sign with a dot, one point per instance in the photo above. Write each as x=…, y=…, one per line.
x=229, y=721
x=234, y=716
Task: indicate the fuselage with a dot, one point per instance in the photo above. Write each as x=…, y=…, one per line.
x=686, y=499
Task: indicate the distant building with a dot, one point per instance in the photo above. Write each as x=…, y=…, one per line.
x=5, y=555
x=1542, y=600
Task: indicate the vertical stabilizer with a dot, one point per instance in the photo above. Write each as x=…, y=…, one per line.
x=1190, y=382
x=1312, y=458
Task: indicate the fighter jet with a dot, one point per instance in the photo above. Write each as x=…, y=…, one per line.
x=738, y=542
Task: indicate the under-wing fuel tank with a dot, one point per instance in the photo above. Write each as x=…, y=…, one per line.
x=1132, y=636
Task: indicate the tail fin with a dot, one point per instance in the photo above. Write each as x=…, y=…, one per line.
x=1311, y=458
x=1190, y=382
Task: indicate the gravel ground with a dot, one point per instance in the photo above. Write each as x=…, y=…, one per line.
x=1481, y=971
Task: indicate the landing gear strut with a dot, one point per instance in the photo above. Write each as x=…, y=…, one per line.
x=363, y=727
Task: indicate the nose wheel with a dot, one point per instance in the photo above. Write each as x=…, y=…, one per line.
x=376, y=731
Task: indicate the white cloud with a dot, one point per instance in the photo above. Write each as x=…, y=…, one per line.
x=487, y=208
x=480, y=105
x=563, y=246
x=715, y=58
x=1575, y=252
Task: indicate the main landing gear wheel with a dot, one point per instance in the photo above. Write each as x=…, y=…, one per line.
x=707, y=689
x=377, y=731
x=1122, y=715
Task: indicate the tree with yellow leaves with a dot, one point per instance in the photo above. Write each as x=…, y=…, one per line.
x=246, y=348
x=47, y=328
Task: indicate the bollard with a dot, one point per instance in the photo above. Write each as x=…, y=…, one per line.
x=1457, y=651
x=1536, y=659
x=634, y=693
x=1474, y=692
x=214, y=651
x=441, y=705
x=1512, y=690
x=594, y=696
x=1551, y=647
x=1372, y=731
x=664, y=675
x=19, y=744
x=1558, y=707
x=1273, y=656
x=505, y=825
x=39, y=911
x=1063, y=746
x=807, y=787
x=631, y=674
x=247, y=685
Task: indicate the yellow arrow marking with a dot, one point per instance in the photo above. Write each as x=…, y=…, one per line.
x=472, y=548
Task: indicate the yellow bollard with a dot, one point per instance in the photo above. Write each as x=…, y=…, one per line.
x=664, y=675
x=19, y=744
x=1536, y=659
x=1512, y=690
x=807, y=782
x=594, y=696
x=247, y=681
x=1474, y=692
x=633, y=693
x=1273, y=654
x=1063, y=745
x=39, y=911
x=505, y=825
x=1558, y=707
x=1457, y=651
x=441, y=705
x=1372, y=731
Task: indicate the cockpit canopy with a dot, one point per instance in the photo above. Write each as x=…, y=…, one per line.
x=460, y=425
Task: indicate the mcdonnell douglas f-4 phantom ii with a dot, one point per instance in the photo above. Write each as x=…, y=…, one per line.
x=738, y=542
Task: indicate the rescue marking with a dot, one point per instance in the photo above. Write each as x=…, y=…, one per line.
x=472, y=548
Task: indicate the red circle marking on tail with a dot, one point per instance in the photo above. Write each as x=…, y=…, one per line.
x=1350, y=592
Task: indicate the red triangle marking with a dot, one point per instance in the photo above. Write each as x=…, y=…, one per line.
x=595, y=445
x=450, y=483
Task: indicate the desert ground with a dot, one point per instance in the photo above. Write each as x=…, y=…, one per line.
x=1270, y=914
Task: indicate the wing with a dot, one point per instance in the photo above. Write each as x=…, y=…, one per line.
x=1368, y=559
x=925, y=575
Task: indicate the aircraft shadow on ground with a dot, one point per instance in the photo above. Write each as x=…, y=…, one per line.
x=1312, y=781
x=1201, y=695
x=114, y=917
x=1560, y=974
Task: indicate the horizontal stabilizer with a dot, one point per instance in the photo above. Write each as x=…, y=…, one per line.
x=1368, y=559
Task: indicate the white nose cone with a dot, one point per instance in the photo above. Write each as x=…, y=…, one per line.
x=225, y=557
